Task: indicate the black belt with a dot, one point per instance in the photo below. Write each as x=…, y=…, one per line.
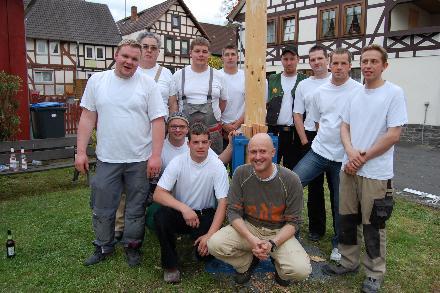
x=205, y=211
x=283, y=127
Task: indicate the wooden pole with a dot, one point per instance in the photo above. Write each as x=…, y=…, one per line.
x=255, y=66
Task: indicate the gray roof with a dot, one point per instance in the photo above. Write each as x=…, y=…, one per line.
x=72, y=20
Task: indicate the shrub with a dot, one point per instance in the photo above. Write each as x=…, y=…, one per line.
x=215, y=62
x=9, y=119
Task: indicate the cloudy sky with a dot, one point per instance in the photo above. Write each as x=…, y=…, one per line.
x=200, y=8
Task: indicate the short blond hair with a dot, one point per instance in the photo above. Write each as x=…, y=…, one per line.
x=377, y=48
x=200, y=41
x=130, y=43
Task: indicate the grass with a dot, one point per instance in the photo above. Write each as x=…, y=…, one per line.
x=51, y=223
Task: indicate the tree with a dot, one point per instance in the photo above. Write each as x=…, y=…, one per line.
x=227, y=6
x=9, y=120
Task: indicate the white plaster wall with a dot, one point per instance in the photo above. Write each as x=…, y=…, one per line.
x=307, y=30
x=29, y=44
x=373, y=16
x=419, y=78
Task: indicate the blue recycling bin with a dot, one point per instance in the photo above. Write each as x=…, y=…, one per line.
x=48, y=119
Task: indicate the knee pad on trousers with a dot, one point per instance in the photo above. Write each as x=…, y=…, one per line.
x=372, y=241
x=103, y=225
x=348, y=229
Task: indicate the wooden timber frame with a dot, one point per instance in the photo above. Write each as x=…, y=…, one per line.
x=255, y=67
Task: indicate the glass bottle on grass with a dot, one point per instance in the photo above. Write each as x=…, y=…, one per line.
x=10, y=246
x=13, y=163
x=23, y=158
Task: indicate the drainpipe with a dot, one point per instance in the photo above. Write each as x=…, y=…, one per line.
x=424, y=120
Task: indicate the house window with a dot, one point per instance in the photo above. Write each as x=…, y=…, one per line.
x=175, y=21
x=54, y=48
x=89, y=52
x=100, y=53
x=271, y=32
x=169, y=46
x=184, y=45
x=41, y=47
x=288, y=32
x=43, y=76
x=353, y=18
x=328, y=22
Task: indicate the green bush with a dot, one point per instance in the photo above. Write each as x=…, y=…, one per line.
x=9, y=119
x=215, y=62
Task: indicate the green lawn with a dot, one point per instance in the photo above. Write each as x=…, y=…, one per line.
x=51, y=223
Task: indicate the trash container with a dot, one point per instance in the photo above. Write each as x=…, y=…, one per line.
x=48, y=119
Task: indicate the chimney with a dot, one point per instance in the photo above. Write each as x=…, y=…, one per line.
x=134, y=16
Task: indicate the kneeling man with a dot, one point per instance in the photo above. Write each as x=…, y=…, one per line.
x=187, y=191
x=264, y=210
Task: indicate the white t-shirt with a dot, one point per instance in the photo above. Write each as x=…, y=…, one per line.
x=170, y=151
x=196, y=184
x=286, y=112
x=164, y=81
x=328, y=103
x=370, y=113
x=125, y=110
x=303, y=99
x=235, y=93
x=197, y=87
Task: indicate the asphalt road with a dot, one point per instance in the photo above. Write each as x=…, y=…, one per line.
x=417, y=167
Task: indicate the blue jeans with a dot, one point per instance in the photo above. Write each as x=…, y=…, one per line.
x=311, y=166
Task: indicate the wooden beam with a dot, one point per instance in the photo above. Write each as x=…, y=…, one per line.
x=255, y=62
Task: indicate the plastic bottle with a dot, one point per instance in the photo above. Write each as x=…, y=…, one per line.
x=23, y=158
x=10, y=246
x=13, y=164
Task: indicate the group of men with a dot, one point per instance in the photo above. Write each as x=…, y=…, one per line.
x=326, y=124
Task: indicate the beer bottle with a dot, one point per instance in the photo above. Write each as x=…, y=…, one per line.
x=10, y=246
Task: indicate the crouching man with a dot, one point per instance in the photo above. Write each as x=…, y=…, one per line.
x=187, y=191
x=264, y=210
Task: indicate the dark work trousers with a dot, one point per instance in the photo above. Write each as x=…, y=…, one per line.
x=170, y=222
x=287, y=150
x=316, y=200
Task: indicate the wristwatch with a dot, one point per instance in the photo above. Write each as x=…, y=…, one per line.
x=274, y=246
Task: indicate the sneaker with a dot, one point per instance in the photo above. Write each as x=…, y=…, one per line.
x=335, y=255
x=97, y=256
x=171, y=276
x=371, y=285
x=314, y=236
x=118, y=235
x=241, y=278
x=337, y=270
x=133, y=256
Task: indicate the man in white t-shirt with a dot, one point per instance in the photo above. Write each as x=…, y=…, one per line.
x=151, y=44
x=188, y=190
x=371, y=124
x=233, y=115
x=279, y=104
x=305, y=127
x=327, y=151
x=201, y=91
x=130, y=134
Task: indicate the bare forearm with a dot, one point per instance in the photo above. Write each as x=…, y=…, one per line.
x=222, y=105
x=384, y=143
x=219, y=217
x=85, y=127
x=299, y=125
x=158, y=135
x=172, y=104
x=226, y=155
x=345, y=137
x=164, y=197
x=284, y=234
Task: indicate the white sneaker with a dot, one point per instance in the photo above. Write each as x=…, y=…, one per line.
x=336, y=256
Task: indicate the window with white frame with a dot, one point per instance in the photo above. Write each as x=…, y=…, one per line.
x=89, y=52
x=54, y=48
x=43, y=76
x=100, y=53
x=41, y=47
x=289, y=28
x=184, y=46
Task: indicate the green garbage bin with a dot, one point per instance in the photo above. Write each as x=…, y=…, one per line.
x=48, y=119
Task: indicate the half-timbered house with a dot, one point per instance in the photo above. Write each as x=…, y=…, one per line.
x=66, y=42
x=408, y=29
x=174, y=22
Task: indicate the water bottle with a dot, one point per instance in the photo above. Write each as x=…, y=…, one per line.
x=13, y=164
x=24, y=165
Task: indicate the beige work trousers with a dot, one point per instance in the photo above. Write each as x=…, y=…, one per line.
x=354, y=192
x=291, y=260
x=120, y=214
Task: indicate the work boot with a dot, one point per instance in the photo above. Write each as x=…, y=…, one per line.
x=337, y=270
x=133, y=256
x=241, y=278
x=371, y=285
x=171, y=276
x=97, y=256
x=118, y=235
x=281, y=282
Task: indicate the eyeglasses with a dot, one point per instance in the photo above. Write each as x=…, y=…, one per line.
x=178, y=127
x=152, y=48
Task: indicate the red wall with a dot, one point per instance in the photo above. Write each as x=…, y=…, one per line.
x=13, y=54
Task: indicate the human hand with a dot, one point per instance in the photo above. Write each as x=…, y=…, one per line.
x=304, y=141
x=229, y=127
x=262, y=250
x=190, y=217
x=153, y=166
x=82, y=163
x=350, y=169
x=202, y=244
